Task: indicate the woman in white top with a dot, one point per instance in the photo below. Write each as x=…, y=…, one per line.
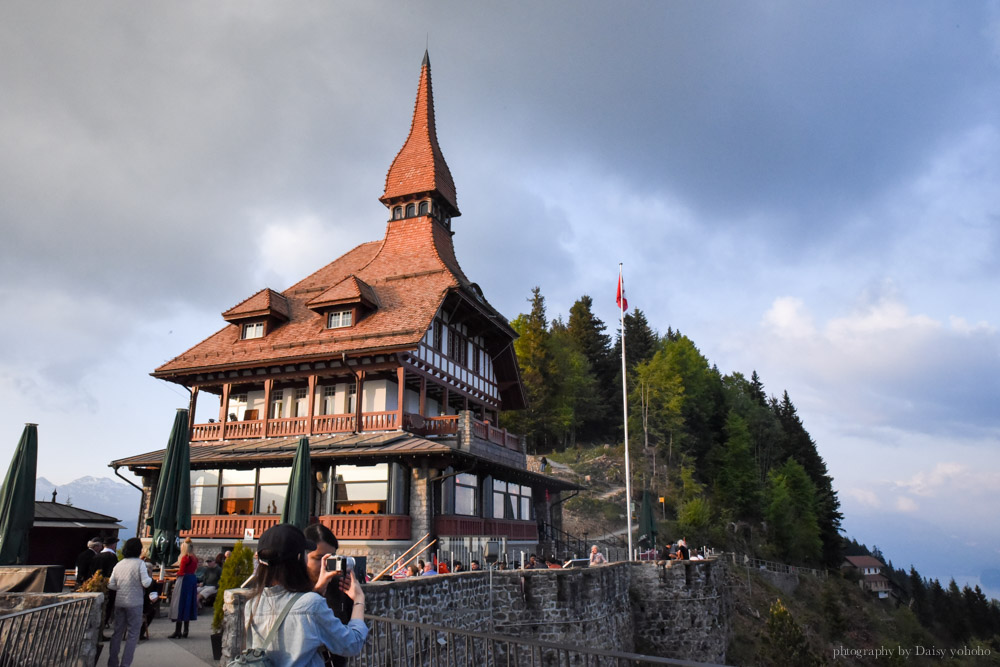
x=130, y=578
x=310, y=624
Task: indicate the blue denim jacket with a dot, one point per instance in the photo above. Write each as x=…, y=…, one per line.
x=309, y=626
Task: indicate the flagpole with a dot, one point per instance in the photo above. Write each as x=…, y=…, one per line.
x=628, y=469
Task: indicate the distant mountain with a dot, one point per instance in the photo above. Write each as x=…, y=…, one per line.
x=97, y=494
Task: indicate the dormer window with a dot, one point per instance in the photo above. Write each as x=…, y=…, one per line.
x=397, y=213
x=339, y=319
x=252, y=330
x=424, y=207
x=411, y=210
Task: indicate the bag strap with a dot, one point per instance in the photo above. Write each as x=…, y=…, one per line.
x=274, y=626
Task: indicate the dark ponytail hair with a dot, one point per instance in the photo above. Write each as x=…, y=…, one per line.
x=290, y=573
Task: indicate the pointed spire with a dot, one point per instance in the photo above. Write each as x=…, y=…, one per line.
x=419, y=168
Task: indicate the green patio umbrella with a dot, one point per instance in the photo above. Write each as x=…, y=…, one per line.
x=17, y=499
x=172, y=506
x=298, y=502
x=647, y=522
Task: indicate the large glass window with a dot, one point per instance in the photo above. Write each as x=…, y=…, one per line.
x=511, y=501
x=237, y=491
x=204, y=491
x=272, y=490
x=361, y=489
x=465, y=494
x=260, y=491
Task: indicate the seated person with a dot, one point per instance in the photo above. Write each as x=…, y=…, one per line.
x=208, y=580
x=552, y=563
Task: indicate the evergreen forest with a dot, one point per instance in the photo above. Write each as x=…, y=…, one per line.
x=736, y=467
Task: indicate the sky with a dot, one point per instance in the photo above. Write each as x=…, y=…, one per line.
x=805, y=189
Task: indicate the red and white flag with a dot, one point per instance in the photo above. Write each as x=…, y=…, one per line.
x=620, y=298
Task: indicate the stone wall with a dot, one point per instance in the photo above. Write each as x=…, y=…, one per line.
x=677, y=612
x=61, y=622
x=681, y=611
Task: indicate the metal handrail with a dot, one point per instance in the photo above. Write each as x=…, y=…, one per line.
x=394, y=642
x=772, y=566
x=46, y=636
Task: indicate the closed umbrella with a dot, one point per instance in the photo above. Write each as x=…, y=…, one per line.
x=17, y=499
x=172, y=506
x=298, y=502
x=647, y=522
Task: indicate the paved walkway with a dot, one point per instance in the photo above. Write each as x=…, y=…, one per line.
x=158, y=651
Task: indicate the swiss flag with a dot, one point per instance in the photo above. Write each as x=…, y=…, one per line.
x=620, y=298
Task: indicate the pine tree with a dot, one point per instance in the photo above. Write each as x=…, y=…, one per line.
x=587, y=333
x=535, y=361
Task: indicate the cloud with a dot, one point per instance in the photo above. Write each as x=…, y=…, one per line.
x=888, y=366
x=906, y=504
x=864, y=497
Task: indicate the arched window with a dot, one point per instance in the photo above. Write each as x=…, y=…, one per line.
x=397, y=213
x=424, y=206
x=411, y=210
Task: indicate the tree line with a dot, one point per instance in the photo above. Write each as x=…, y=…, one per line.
x=955, y=615
x=729, y=459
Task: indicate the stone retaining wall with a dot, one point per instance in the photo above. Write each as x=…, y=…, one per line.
x=677, y=612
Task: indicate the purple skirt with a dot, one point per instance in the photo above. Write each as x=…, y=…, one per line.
x=184, y=605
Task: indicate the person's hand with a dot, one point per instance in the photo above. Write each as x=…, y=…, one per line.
x=325, y=576
x=349, y=585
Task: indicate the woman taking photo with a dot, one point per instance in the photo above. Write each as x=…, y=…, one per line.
x=184, y=597
x=309, y=625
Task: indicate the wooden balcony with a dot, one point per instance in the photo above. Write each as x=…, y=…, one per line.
x=344, y=526
x=459, y=526
x=345, y=423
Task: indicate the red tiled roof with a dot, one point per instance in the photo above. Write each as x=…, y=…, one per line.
x=349, y=290
x=419, y=166
x=862, y=562
x=265, y=303
x=407, y=276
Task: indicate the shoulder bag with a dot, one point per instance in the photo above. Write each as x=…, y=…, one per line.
x=257, y=657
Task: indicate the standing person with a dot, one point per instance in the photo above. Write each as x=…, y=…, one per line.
x=129, y=578
x=342, y=606
x=596, y=557
x=106, y=562
x=184, y=597
x=682, y=550
x=85, y=567
x=283, y=579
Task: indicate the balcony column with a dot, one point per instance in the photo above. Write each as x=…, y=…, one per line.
x=224, y=409
x=400, y=378
x=312, y=403
x=423, y=396
x=268, y=386
x=359, y=394
x=192, y=406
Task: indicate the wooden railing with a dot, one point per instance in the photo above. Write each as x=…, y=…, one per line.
x=379, y=421
x=333, y=424
x=473, y=525
x=344, y=526
x=232, y=525
x=287, y=426
x=368, y=526
x=344, y=423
